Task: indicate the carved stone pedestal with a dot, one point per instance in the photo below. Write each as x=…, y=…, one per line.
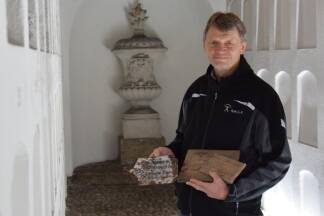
x=141, y=123
x=131, y=149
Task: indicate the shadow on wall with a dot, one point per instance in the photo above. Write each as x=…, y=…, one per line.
x=20, y=183
x=15, y=22
x=111, y=37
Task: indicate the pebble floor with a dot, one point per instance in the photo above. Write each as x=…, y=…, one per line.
x=106, y=189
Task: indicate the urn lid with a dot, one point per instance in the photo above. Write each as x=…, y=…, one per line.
x=139, y=42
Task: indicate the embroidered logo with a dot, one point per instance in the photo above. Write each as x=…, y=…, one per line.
x=228, y=108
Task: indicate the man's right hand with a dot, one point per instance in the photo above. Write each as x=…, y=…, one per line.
x=161, y=151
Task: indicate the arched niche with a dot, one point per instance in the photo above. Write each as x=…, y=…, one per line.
x=15, y=22
x=250, y=21
x=309, y=194
x=283, y=22
x=32, y=24
x=307, y=24
x=42, y=24
x=277, y=200
x=20, y=190
x=283, y=88
x=307, y=108
x=266, y=76
x=264, y=24
x=235, y=6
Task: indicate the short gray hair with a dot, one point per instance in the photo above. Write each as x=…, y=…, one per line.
x=226, y=22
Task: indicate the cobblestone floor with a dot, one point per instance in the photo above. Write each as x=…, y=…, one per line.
x=106, y=189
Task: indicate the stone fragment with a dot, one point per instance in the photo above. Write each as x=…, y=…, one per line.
x=157, y=170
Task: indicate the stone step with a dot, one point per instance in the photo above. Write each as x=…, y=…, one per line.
x=106, y=188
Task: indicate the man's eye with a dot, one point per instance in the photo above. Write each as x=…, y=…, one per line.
x=229, y=44
x=213, y=44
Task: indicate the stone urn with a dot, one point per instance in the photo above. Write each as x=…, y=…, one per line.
x=138, y=55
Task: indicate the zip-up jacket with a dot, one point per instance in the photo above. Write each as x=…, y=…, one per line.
x=238, y=112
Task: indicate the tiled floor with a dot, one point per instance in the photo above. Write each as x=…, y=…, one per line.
x=106, y=189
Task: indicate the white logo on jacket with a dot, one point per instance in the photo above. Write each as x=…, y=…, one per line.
x=197, y=95
x=228, y=108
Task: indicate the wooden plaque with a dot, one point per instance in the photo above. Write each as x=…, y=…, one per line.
x=199, y=162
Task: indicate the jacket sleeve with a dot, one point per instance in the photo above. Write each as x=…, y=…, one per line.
x=274, y=157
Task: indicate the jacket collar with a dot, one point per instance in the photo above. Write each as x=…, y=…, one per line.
x=243, y=71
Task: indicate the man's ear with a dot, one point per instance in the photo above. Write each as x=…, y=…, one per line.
x=243, y=48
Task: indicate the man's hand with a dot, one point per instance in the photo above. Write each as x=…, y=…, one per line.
x=161, y=151
x=218, y=189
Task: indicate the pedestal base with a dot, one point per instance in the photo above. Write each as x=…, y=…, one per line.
x=131, y=149
x=141, y=123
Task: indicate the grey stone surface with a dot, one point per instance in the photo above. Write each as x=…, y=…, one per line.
x=131, y=149
x=141, y=126
x=107, y=189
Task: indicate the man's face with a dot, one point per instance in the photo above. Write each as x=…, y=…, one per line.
x=223, y=49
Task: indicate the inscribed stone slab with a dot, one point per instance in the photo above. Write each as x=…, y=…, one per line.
x=157, y=170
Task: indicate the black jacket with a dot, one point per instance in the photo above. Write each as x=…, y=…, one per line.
x=239, y=112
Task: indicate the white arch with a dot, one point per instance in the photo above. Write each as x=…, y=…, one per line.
x=309, y=194
x=266, y=75
x=283, y=85
x=20, y=191
x=283, y=88
x=307, y=103
x=236, y=6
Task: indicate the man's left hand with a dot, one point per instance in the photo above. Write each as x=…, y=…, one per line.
x=218, y=189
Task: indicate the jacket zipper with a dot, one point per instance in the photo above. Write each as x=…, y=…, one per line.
x=204, y=139
x=210, y=118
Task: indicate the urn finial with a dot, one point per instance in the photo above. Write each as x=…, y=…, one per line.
x=137, y=17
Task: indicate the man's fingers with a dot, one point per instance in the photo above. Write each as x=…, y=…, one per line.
x=161, y=151
x=156, y=154
x=214, y=175
x=198, y=185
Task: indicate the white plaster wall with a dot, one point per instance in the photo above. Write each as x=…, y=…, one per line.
x=32, y=180
x=68, y=10
x=95, y=73
x=285, y=198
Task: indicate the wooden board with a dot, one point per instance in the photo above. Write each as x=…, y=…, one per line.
x=198, y=163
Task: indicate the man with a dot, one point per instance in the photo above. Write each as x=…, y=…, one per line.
x=230, y=108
